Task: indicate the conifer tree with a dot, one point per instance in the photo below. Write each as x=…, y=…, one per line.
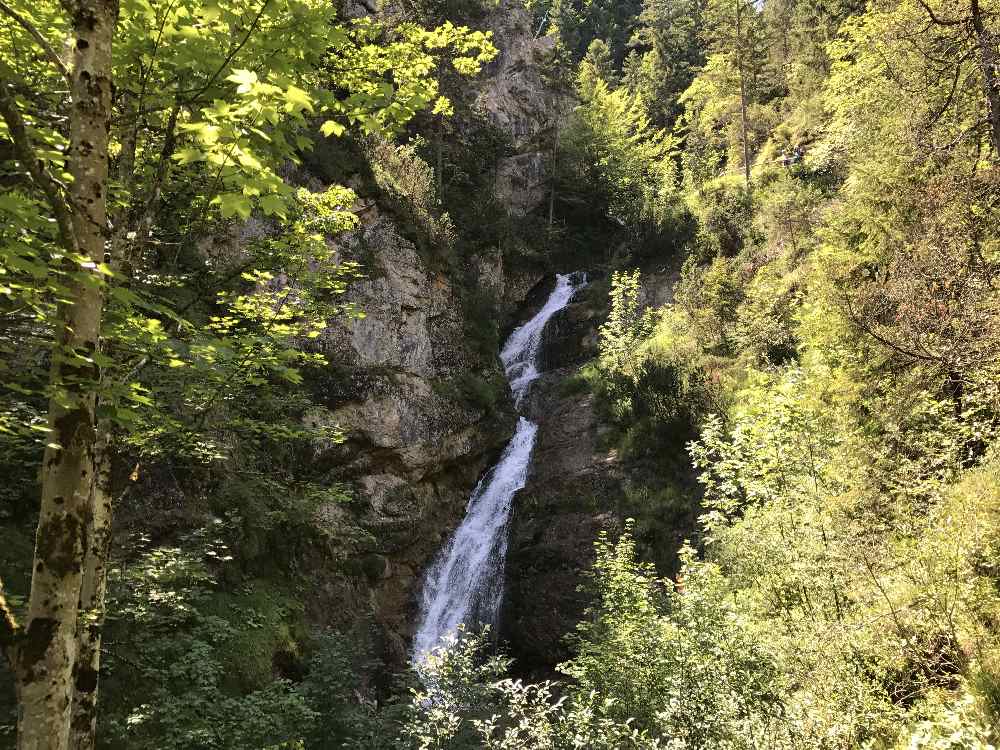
x=734, y=31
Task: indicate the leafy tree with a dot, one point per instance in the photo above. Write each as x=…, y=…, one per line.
x=209, y=102
x=611, y=144
x=670, y=28
x=598, y=62
x=628, y=323
x=580, y=22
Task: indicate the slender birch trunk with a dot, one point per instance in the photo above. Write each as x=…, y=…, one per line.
x=92, y=601
x=46, y=651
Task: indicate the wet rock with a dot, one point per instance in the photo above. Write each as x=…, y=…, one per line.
x=572, y=494
x=572, y=490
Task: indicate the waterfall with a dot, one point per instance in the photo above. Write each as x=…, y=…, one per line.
x=465, y=582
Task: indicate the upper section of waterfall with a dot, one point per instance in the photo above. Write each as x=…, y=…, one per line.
x=520, y=353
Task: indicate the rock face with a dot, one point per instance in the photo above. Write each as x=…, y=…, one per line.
x=416, y=443
x=518, y=101
x=571, y=495
x=579, y=485
x=423, y=413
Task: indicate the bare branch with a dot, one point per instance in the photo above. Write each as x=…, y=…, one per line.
x=988, y=65
x=36, y=168
x=951, y=96
x=37, y=36
x=146, y=73
x=144, y=222
x=865, y=328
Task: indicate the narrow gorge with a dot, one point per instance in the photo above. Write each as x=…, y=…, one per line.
x=499, y=374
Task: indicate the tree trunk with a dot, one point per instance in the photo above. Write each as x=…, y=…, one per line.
x=46, y=652
x=552, y=179
x=988, y=63
x=743, y=92
x=440, y=160
x=92, y=601
x=743, y=123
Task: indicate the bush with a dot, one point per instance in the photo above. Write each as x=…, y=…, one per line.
x=725, y=211
x=407, y=184
x=170, y=683
x=347, y=716
x=469, y=704
x=675, y=659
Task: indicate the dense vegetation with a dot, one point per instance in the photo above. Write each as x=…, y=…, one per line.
x=819, y=182
x=166, y=271
x=832, y=344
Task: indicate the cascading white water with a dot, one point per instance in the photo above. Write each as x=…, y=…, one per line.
x=520, y=353
x=465, y=582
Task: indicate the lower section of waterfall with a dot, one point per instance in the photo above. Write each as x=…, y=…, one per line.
x=465, y=583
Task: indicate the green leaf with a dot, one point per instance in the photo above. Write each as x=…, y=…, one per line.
x=245, y=80
x=297, y=100
x=234, y=204
x=272, y=205
x=189, y=155
x=332, y=127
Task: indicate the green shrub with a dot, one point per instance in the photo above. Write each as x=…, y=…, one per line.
x=183, y=678
x=468, y=703
x=408, y=186
x=347, y=711
x=676, y=660
x=725, y=212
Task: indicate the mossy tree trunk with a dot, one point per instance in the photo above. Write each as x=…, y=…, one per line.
x=92, y=601
x=44, y=650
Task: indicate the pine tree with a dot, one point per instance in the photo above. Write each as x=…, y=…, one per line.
x=734, y=31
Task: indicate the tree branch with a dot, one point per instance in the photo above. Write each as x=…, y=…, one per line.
x=9, y=630
x=39, y=174
x=951, y=96
x=935, y=19
x=229, y=58
x=37, y=36
x=865, y=328
x=143, y=224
